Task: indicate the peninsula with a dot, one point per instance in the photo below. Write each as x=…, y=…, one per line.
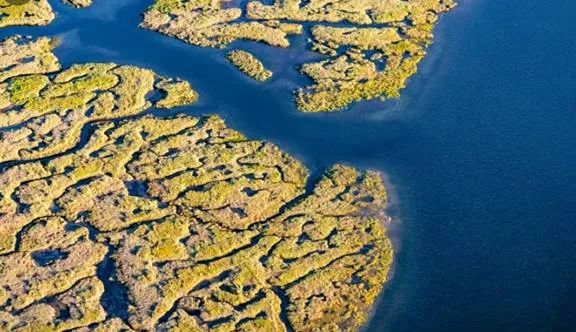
x=116, y=218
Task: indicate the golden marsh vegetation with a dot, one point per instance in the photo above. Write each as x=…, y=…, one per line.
x=371, y=47
x=31, y=12
x=186, y=223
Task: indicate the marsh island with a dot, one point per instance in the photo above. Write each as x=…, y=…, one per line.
x=114, y=217
x=370, y=47
x=249, y=65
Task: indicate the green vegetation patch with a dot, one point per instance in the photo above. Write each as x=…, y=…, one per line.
x=200, y=227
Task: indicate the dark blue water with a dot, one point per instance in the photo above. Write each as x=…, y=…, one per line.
x=479, y=150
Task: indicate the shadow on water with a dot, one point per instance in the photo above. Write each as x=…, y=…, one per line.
x=479, y=148
x=115, y=299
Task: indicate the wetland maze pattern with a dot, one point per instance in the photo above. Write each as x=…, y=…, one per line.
x=115, y=219
x=116, y=215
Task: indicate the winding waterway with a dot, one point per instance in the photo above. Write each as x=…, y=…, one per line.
x=479, y=150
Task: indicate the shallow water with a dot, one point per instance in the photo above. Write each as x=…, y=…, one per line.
x=479, y=148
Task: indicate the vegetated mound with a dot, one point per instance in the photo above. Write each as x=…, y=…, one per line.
x=113, y=219
x=371, y=47
x=249, y=65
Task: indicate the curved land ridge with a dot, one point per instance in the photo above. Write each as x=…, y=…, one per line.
x=113, y=219
x=370, y=47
